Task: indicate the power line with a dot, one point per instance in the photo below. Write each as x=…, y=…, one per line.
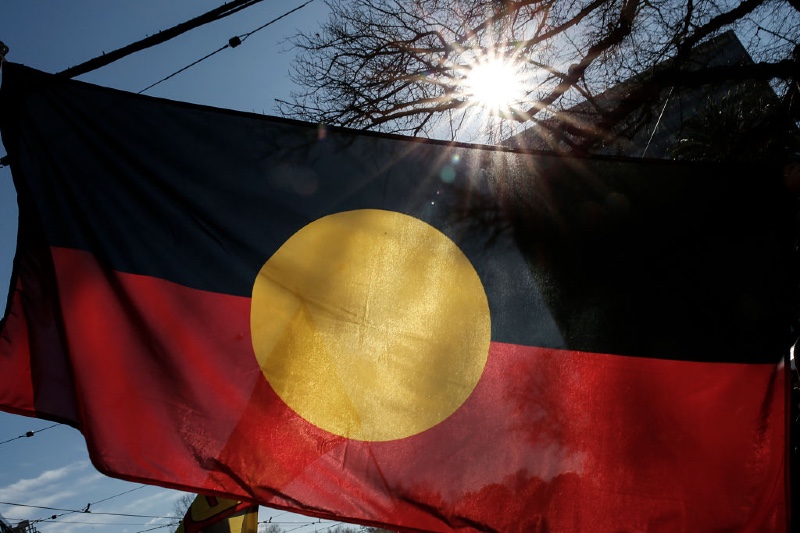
x=165, y=35
x=218, y=13
x=86, y=510
x=120, y=494
x=55, y=517
x=28, y=434
x=157, y=527
x=233, y=42
x=218, y=50
x=337, y=524
x=82, y=522
x=248, y=34
x=305, y=524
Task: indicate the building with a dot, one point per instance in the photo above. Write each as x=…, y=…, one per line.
x=665, y=126
x=22, y=527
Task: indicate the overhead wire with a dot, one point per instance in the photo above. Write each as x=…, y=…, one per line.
x=226, y=9
x=81, y=522
x=220, y=12
x=120, y=494
x=156, y=527
x=187, y=67
x=84, y=510
x=337, y=524
x=660, y=116
x=305, y=524
x=233, y=42
x=273, y=21
x=67, y=511
x=29, y=434
x=173, y=520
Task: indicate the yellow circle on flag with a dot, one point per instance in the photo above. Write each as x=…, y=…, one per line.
x=370, y=324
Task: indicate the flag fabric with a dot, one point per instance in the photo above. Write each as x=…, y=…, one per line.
x=208, y=514
x=419, y=335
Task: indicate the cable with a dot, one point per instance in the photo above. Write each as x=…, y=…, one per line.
x=218, y=13
x=184, y=68
x=298, y=8
x=157, y=527
x=233, y=42
x=118, y=495
x=28, y=434
x=81, y=511
x=88, y=505
x=658, y=121
x=305, y=524
x=337, y=524
x=95, y=523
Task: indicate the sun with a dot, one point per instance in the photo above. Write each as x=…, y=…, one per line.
x=495, y=84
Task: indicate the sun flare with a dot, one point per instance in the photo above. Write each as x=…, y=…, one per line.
x=495, y=84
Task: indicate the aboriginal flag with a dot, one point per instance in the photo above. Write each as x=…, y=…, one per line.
x=420, y=335
x=209, y=514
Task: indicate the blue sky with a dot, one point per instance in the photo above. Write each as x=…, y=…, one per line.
x=52, y=468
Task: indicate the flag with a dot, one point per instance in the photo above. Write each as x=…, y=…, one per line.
x=413, y=334
x=208, y=514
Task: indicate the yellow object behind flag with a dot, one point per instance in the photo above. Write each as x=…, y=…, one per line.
x=209, y=514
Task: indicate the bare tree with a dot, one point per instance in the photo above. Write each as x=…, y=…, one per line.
x=403, y=66
x=182, y=504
